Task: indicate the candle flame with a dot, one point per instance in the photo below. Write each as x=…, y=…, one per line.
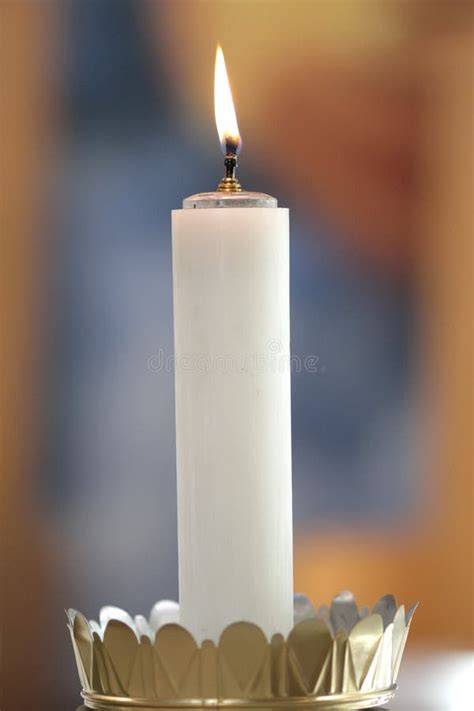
x=226, y=120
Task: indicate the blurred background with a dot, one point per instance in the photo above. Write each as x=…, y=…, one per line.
x=356, y=115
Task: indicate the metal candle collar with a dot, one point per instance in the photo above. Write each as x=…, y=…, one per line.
x=338, y=657
x=228, y=199
x=229, y=183
x=229, y=192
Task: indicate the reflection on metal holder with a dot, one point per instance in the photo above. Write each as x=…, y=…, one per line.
x=337, y=657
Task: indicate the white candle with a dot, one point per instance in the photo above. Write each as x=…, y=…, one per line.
x=233, y=411
x=233, y=438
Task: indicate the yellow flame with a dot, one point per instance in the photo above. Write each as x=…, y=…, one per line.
x=226, y=120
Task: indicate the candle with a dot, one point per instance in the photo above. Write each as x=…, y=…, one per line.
x=233, y=414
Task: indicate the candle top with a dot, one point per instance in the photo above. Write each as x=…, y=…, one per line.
x=229, y=192
x=229, y=199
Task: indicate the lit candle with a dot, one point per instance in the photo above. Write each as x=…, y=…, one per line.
x=233, y=414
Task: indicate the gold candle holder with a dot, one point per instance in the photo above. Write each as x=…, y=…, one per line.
x=339, y=657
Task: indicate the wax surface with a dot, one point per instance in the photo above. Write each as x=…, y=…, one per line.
x=233, y=418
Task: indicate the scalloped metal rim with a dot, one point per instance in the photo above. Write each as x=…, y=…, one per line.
x=355, y=700
x=356, y=668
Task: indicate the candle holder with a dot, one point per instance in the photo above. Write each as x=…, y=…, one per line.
x=337, y=657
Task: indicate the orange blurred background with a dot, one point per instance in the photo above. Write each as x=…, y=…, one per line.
x=359, y=117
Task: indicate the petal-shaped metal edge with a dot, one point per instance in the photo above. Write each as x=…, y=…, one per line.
x=343, y=612
x=386, y=607
x=243, y=662
x=309, y=647
x=83, y=647
x=302, y=608
x=383, y=672
x=398, y=660
x=177, y=652
x=163, y=612
x=121, y=644
x=104, y=685
x=338, y=662
x=363, y=642
x=399, y=627
x=312, y=662
x=110, y=613
x=70, y=614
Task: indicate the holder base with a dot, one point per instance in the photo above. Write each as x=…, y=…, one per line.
x=336, y=702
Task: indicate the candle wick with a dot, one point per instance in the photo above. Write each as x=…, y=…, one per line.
x=230, y=163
